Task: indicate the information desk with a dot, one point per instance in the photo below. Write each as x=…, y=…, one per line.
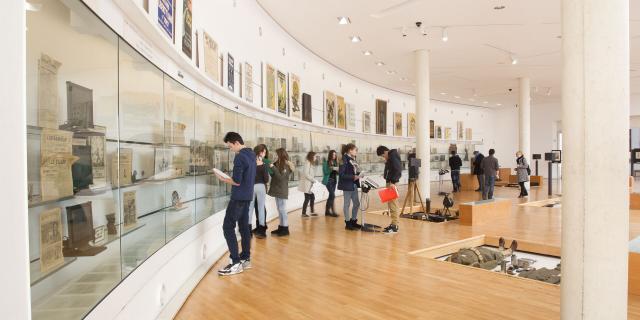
x=483, y=211
x=469, y=182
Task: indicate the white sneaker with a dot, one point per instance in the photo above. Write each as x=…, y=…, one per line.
x=246, y=264
x=231, y=269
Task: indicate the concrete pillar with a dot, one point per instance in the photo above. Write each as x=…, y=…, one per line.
x=525, y=118
x=595, y=124
x=423, y=96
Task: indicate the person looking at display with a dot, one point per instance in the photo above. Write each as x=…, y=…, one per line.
x=260, y=191
x=454, y=164
x=522, y=171
x=477, y=169
x=329, y=178
x=392, y=174
x=307, y=180
x=490, y=168
x=349, y=183
x=267, y=162
x=241, y=181
x=279, y=189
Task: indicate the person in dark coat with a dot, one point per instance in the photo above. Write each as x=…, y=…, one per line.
x=477, y=169
x=392, y=174
x=455, y=163
x=349, y=183
x=279, y=189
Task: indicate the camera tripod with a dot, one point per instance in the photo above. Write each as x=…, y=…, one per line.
x=411, y=198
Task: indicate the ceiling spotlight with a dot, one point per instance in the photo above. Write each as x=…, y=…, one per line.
x=549, y=91
x=379, y=63
x=423, y=30
x=391, y=72
x=443, y=93
x=367, y=53
x=355, y=39
x=445, y=36
x=498, y=104
x=344, y=20
x=404, y=31
x=457, y=97
x=514, y=59
x=499, y=7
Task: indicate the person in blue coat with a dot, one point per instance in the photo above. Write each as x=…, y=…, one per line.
x=349, y=183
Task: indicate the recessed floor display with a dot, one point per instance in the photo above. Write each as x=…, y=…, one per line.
x=549, y=203
x=497, y=255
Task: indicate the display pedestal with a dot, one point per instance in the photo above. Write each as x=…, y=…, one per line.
x=504, y=174
x=468, y=182
x=483, y=211
x=634, y=201
x=536, y=181
x=634, y=277
x=513, y=179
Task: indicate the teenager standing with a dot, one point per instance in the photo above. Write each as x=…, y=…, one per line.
x=260, y=191
x=307, y=180
x=349, y=183
x=329, y=179
x=392, y=174
x=267, y=164
x=279, y=189
x=241, y=181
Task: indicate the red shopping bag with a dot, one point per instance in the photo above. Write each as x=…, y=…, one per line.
x=387, y=194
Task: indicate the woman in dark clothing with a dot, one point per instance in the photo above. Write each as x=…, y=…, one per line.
x=260, y=191
x=279, y=189
x=329, y=178
x=349, y=183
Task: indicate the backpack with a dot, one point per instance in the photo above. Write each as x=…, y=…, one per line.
x=528, y=171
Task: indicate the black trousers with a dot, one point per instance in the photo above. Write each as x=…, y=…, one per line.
x=523, y=189
x=309, y=198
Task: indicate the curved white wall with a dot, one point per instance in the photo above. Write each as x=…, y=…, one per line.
x=163, y=281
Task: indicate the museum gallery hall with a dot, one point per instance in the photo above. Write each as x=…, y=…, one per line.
x=282, y=159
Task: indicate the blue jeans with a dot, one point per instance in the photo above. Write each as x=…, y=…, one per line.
x=351, y=196
x=259, y=195
x=455, y=179
x=282, y=211
x=489, y=183
x=237, y=213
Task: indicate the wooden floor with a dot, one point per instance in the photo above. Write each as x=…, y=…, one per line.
x=322, y=271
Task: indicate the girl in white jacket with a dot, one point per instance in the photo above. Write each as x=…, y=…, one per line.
x=307, y=180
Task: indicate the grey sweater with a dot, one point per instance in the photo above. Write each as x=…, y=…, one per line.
x=490, y=166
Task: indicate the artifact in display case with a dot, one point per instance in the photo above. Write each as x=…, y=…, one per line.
x=230, y=73
x=79, y=107
x=48, y=92
x=51, y=255
x=307, y=114
x=163, y=163
x=100, y=235
x=56, y=159
x=176, y=201
x=294, y=96
x=282, y=93
x=248, y=82
x=129, y=212
x=201, y=157
x=98, y=168
x=81, y=235
x=81, y=168
x=174, y=132
x=121, y=170
x=179, y=164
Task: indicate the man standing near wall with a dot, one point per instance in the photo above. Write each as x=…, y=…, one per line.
x=490, y=168
x=242, y=180
x=454, y=164
x=477, y=169
x=392, y=174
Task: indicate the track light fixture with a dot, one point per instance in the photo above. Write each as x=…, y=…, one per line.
x=514, y=59
x=404, y=31
x=355, y=39
x=445, y=35
x=344, y=20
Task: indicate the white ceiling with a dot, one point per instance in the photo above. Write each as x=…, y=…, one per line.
x=467, y=66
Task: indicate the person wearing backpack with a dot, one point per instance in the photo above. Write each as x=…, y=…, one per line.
x=523, y=171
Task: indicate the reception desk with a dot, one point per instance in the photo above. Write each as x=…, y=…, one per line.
x=483, y=211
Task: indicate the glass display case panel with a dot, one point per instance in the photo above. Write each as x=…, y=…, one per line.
x=144, y=160
x=203, y=156
x=71, y=94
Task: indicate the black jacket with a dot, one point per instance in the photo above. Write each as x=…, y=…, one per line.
x=347, y=172
x=393, y=167
x=477, y=168
x=455, y=162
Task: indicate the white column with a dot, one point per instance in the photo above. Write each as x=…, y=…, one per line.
x=423, y=96
x=595, y=124
x=14, y=294
x=525, y=118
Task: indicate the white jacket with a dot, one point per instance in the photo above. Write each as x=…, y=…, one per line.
x=306, y=177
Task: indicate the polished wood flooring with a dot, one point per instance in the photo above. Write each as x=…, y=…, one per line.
x=322, y=271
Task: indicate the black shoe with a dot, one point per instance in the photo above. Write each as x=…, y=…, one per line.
x=392, y=228
x=261, y=232
x=348, y=225
x=355, y=225
x=314, y=214
x=252, y=230
x=275, y=232
x=333, y=214
x=304, y=215
x=282, y=232
x=478, y=190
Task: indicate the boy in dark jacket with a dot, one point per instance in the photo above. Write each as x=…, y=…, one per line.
x=455, y=163
x=349, y=183
x=392, y=174
x=242, y=180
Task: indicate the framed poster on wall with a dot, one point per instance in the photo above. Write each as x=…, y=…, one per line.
x=411, y=124
x=248, y=81
x=381, y=116
x=231, y=73
x=351, y=117
x=294, y=95
x=330, y=102
x=270, y=87
x=432, y=129
x=366, y=121
x=166, y=17
x=282, y=93
x=397, y=124
x=460, y=130
x=342, y=113
x=307, y=114
x=211, y=62
x=186, y=28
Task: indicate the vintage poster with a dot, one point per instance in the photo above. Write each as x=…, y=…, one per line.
x=121, y=171
x=231, y=73
x=438, y=132
x=211, y=58
x=397, y=124
x=97, y=161
x=163, y=162
x=100, y=235
x=50, y=240
x=306, y=108
x=248, y=82
x=329, y=109
x=282, y=93
x=381, y=116
x=186, y=29
x=270, y=79
x=432, y=129
x=129, y=214
x=48, y=92
x=165, y=17
x=469, y=134
x=56, y=158
x=342, y=113
x=79, y=106
x=294, y=95
x=411, y=124
x=460, y=130
x=366, y=122
x=447, y=133
x=351, y=117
